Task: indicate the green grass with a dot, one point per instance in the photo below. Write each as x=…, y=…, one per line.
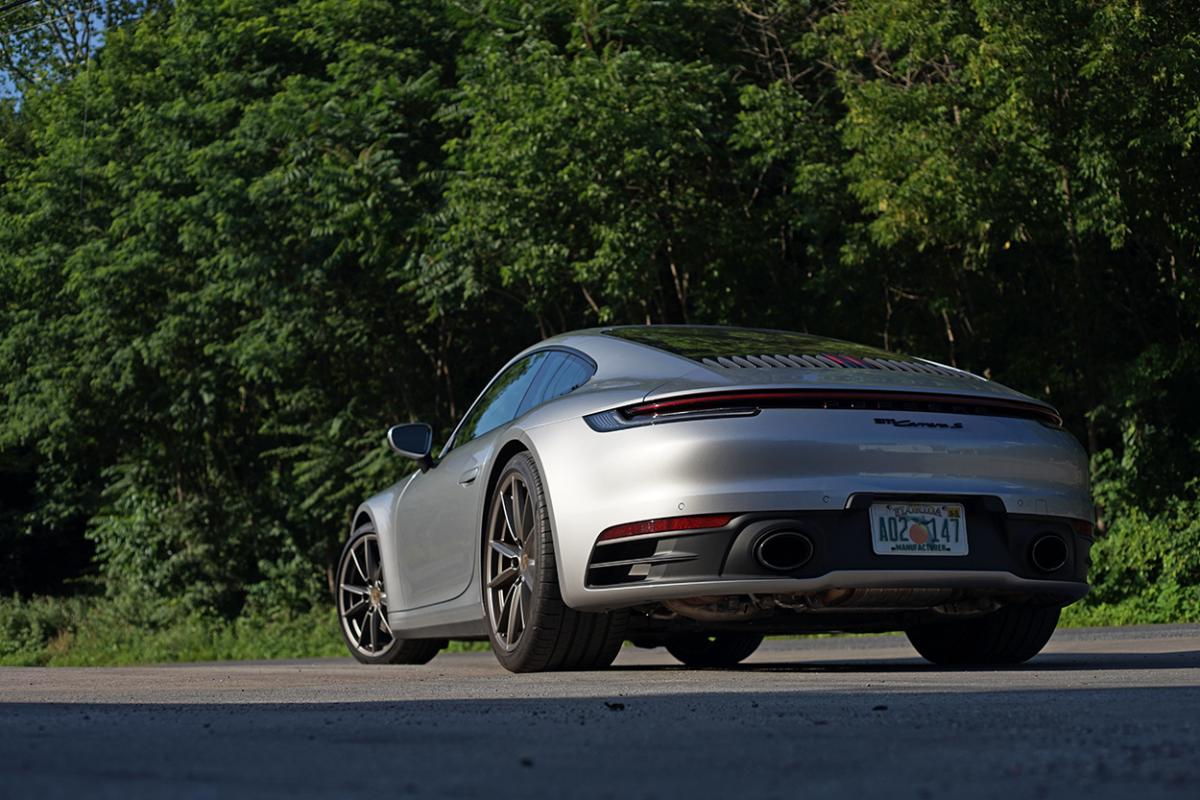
x=1170, y=605
x=72, y=632
x=88, y=632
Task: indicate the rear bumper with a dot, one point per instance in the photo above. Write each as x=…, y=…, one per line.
x=818, y=469
x=722, y=561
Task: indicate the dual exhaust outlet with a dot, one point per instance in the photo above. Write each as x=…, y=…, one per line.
x=1048, y=553
x=785, y=551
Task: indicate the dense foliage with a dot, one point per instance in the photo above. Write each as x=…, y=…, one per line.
x=240, y=237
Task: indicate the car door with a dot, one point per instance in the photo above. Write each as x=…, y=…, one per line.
x=437, y=516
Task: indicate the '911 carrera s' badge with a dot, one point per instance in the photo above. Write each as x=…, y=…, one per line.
x=909, y=423
x=918, y=529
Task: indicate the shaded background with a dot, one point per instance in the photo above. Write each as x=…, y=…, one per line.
x=238, y=238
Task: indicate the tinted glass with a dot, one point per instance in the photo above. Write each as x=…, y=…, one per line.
x=502, y=401
x=701, y=342
x=562, y=373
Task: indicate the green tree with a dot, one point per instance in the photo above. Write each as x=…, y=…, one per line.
x=204, y=360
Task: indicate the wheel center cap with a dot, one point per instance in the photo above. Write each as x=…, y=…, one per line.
x=376, y=596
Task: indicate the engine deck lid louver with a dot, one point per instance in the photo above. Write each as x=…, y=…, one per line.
x=831, y=361
x=752, y=348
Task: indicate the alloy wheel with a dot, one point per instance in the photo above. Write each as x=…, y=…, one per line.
x=362, y=599
x=511, y=561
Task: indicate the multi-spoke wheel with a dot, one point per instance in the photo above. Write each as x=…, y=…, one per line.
x=511, y=560
x=530, y=627
x=362, y=607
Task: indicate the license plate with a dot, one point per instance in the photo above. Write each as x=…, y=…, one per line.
x=918, y=529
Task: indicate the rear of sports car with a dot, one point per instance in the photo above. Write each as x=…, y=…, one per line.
x=826, y=490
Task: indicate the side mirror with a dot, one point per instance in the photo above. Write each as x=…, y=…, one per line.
x=413, y=441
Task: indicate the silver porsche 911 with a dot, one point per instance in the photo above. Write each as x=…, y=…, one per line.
x=699, y=488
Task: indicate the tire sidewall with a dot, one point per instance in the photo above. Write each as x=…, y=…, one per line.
x=1006, y=637
x=723, y=650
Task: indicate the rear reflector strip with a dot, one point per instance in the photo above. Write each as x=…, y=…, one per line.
x=863, y=399
x=1084, y=527
x=667, y=525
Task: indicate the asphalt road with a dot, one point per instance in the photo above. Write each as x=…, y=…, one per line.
x=1102, y=713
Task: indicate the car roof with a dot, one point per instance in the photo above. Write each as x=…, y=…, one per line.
x=708, y=343
x=712, y=341
x=667, y=359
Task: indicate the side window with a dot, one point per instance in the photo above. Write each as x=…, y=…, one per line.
x=562, y=373
x=502, y=401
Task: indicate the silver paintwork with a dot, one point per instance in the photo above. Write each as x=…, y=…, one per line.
x=431, y=523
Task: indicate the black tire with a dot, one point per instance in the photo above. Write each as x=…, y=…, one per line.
x=535, y=631
x=1012, y=635
x=365, y=630
x=715, y=650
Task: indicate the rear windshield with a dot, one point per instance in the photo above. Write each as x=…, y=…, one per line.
x=698, y=342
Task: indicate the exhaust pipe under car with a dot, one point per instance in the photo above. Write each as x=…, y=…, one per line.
x=783, y=551
x=1048, y=552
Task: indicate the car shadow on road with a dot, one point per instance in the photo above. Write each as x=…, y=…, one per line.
x=1039, y=741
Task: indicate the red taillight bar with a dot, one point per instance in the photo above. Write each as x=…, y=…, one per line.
x=665, y=525
x=808, y=397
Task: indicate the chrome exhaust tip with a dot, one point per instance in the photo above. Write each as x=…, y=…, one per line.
x=783, y=551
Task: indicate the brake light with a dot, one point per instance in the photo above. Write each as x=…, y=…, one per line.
x=667, y=525
x=708, y=402
x=749, y=403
